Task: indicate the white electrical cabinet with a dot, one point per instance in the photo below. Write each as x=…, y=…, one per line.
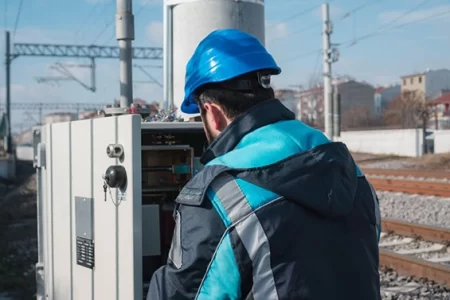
x=106, y=245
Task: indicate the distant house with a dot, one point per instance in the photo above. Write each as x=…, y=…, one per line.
x=357, y=98
x=429, y=83
x=383, y=96
x=289, y=98
x=441, y=116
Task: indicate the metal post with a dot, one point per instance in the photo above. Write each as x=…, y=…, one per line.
x=327, y=71
x=8, y=93
x=336, y=112
x=93, y=79
x=167, y=57
x=125, y=36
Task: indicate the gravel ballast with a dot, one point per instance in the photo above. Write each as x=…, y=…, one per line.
x=426, y=210
x=395, y=287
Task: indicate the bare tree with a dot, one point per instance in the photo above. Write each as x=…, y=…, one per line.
x=408, y=110
x=311, y=101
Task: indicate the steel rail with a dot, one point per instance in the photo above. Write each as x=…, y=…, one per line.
x=407, y=172
x=428, y=233
x=419, y=268
x=421, y=187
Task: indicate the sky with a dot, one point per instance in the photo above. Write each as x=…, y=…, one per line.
x=410, y=36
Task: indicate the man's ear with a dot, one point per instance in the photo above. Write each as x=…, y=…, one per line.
x=216, y=116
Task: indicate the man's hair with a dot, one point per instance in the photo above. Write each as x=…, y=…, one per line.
x=233, y=102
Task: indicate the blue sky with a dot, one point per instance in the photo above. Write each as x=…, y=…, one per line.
x=379, y=59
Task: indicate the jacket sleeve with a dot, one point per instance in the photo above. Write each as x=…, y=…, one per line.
x=198, y=231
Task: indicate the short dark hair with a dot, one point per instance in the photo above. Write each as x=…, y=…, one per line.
x=233, y=102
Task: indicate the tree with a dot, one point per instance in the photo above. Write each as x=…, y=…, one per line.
x=408, y=110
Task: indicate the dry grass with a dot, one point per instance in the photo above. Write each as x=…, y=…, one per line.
x=361, y=157
x=433, y=161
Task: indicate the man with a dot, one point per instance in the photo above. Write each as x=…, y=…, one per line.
x=279, y=211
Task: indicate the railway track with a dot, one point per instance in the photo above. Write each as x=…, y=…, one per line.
x=407, y=173
x=410, y=186
x=410, y=265
x=420, y=187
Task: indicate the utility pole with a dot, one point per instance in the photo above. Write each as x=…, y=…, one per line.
x=330, y=55
x=8, y=92
x=125, y=36
x=327, y=89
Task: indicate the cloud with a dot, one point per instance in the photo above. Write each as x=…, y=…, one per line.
x=154, y=32
x=275, y=31
x=390, y=16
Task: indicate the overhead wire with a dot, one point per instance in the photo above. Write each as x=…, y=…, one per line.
x=299, y=14
x=86, y=21
x=16, y=23
x=107, y=25
x=378, y=32
x=385, y=25
x=5, y=15
x=319, y=23
x=303, y=55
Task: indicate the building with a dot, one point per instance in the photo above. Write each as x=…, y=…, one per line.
x=441, y=116
x=384, y=96
x=356, y=98
x=429, y=83
x=289, y=98
x=310, y=106
x=59, y=117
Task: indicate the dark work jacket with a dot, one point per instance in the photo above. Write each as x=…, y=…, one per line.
x=278, y=212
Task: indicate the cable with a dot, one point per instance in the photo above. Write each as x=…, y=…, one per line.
x=107, y=25
x=299, y=14
x=382, y=28
x=319, y=23
x=6, y=14
x=303, y=55
x=352, y=11
x=17, y=19
x=83, y=24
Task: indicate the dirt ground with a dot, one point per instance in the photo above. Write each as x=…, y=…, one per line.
x=427, y=162
x=18, y=240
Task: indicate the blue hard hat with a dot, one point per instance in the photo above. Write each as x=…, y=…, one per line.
x=222, y=55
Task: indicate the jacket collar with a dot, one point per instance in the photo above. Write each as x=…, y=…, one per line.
x=265, y=113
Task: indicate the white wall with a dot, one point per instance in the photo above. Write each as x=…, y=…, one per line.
x=24, y=152
x=441, y=141
x=404, y=142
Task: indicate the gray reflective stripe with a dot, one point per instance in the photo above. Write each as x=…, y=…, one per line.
x=251, y=234
x=255, y=241
x=231, y=197
x=377, y=207
x=176, y=253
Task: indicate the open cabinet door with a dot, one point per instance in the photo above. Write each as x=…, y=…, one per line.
x=92, y=240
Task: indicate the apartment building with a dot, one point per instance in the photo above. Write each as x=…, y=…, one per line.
x=429, y=83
